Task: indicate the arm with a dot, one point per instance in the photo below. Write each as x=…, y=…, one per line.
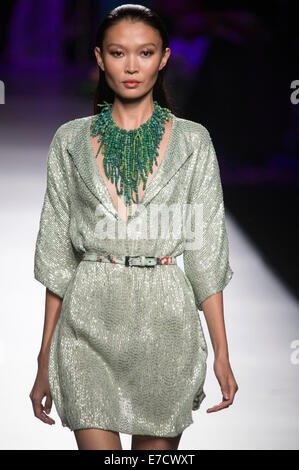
x=55, y=259
x=55, y=263
x=41, y=385
x=207, y=265
x=52, y=313
x=214, y=315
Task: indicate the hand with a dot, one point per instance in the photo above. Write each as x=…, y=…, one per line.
x=227, y=383
x=39, y=390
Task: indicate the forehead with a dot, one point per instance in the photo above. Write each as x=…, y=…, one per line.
x=128, y=33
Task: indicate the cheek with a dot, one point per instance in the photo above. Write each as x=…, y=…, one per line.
x=112, y=69
x=151, y=68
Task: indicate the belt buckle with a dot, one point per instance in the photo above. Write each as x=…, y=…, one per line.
x=128, y=260
x=140, y=261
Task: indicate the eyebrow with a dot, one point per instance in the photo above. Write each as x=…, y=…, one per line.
x=146, y=44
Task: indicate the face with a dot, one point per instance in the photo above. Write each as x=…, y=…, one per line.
x=131, y=51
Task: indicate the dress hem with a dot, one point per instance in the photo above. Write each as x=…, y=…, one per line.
x=123, y=431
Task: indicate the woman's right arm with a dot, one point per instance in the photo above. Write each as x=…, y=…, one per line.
x=55, y=260
x=41, y=385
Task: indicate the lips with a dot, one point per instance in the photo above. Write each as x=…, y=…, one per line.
x=131, y=81
x=131, y=84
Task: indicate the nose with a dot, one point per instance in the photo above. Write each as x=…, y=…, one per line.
x=131, y=64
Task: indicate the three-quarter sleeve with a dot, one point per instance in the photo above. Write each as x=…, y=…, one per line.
x=55, y=259
x=207, y=266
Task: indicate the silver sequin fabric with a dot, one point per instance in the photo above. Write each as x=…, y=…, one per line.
x=128, y=352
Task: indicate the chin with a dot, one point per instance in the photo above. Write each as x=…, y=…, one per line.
x=131, y=94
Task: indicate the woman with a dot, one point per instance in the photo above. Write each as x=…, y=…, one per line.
x=123, y=348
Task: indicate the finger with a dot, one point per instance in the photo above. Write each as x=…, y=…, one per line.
x=39, y=413
x=46, y=419
x=224, y=404
x=48, y=403
x=230, y=394
x=227, y=398
x=217, y=408
x=43, y=416
x=38, y=408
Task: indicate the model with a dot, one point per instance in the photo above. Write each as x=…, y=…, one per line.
x=129, y=189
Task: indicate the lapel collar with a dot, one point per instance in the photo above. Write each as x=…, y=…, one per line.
x=178, y=150
x=82, y=154
x=80, y=148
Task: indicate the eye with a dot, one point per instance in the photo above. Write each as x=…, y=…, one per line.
x=148, y=53
x=116, y=52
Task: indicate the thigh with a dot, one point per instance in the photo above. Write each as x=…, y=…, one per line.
x=97, y=439
x=140, y=442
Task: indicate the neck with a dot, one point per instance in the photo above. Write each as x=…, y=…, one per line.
x=131, y=114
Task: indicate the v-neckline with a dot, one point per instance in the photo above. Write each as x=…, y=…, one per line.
x=102, y=181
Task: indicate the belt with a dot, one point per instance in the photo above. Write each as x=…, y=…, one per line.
x=142, y=261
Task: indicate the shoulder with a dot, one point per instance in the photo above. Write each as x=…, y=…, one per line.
x=66, y=131
x=66, y=135
x=195, y=133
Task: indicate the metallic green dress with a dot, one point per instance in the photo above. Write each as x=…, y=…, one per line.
x=128, y=352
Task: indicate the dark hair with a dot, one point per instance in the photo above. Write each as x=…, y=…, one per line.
x=139, y=13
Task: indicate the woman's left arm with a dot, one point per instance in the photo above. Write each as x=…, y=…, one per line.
x=206, y=261
x=213, y=312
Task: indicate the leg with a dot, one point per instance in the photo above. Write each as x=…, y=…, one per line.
x=155, y=443
x=97, y=439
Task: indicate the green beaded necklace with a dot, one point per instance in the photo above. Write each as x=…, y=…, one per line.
x=129, y=155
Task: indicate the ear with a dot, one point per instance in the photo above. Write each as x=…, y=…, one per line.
x=165, y=58
x=98, y=55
